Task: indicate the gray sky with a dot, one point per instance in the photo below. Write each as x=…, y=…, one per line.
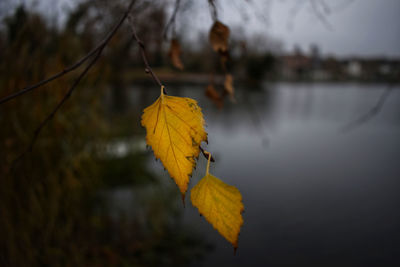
x=364, y=27
x=359, y=27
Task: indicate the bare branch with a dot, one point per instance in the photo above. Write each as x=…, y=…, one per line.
x=98, y=50
x=326, y=7
x=213, y=10
x=63, y=100
x=76, y=65
x=206, y=154
x=172, y=20
x=320, y=15
x=147, y=67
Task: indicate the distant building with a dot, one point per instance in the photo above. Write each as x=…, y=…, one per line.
x=354, y=69
x=298, y=66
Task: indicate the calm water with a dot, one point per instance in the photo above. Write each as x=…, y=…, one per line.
x=314, y=195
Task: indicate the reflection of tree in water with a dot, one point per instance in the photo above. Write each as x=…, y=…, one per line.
x=253, y=109
x=250, y=103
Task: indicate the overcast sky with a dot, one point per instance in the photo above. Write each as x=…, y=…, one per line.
x=359, y=27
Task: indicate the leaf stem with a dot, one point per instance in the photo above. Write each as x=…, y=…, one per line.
x=148, y=69
x=208, y=162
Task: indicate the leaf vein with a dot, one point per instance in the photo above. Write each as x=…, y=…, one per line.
x=173, y=151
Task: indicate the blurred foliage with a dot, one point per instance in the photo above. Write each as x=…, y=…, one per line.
x=55, y=206
x=257, y=66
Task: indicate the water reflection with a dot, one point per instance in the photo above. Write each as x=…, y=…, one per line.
x=314, y=195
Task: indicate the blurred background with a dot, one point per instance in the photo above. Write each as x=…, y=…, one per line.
x=311, y=136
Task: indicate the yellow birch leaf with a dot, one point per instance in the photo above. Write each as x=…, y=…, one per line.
x=221, y=205
x=174, y=130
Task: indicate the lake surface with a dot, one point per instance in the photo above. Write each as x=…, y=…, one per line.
x=314, y=193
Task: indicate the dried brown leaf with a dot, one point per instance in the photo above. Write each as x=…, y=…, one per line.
x=174, y=54
x=219, y=35
x=213, y=94
x=228, y=85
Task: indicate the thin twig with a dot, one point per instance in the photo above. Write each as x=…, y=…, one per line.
x=75, y=65
x=321, y=16
x=326, y=7
x=99, y=49
x=147, y=67
x=51, y=115
x=207, y=154
x=142, y=49
x=172, y=20
x=213, y=10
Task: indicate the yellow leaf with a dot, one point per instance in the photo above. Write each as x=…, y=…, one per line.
x=175, y=129
x=221, y=205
